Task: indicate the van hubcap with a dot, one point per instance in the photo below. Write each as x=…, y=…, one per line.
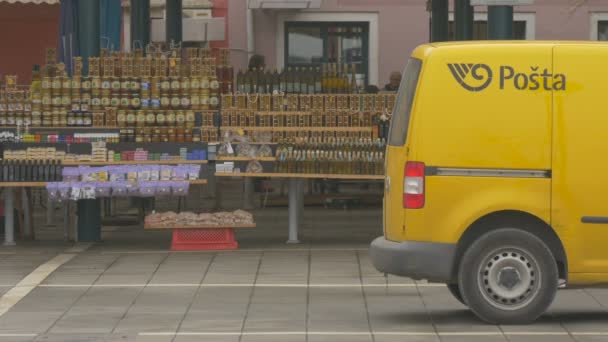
x=509, y=278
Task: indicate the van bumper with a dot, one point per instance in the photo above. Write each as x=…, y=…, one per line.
x=416, y=260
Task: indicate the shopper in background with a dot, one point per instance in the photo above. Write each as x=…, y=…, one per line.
x=257, y=62
x=394, y=81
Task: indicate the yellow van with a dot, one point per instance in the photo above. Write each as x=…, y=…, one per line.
x=497, y=174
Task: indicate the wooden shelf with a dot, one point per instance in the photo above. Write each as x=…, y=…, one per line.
x=236, y=226
x=284, y=113
x=22, y=184
x=300, y=129
x=300, y=175
x=43, y=184
x=134, y=162
x=267, y=159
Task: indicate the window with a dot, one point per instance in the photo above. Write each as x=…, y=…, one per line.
x=524, y=26
x=599, y=26
x=313, y=43
x=405, y=100
x=480, y=30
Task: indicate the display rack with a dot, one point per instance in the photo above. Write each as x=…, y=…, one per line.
x=300, y=176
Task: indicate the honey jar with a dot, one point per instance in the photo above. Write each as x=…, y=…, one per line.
x=160, y=118
x=131, y=119
x=180, y=119
x=170, y=118
x=150, y=118
x=140, y=119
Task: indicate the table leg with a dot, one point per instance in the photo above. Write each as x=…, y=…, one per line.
x=50, y=211
x=27, y=228
x=9, y=218
x=293, y=210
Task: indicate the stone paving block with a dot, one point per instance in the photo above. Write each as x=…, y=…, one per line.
x=83, y=269
x=579, y=312
x=39, y=310
x=548, y=338
x=157, y=310
x=595, y=338
x=97, y=311
x=406, y=338
x=284, y=268
x=470, y=338
x=132, y=269
x=338, y=338
x=337, y=310
x=397, y=309
x=182, y=268
x=274, y=338
x=217, y=309
x=205, y=338
x=233, y=268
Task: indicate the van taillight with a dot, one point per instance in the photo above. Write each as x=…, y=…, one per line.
x=413, y=185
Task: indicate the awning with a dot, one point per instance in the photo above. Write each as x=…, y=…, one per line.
x=37, y=2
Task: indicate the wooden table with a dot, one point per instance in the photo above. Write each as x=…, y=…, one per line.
x=296, y=192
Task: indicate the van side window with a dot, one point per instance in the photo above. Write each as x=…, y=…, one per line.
x=403, y=106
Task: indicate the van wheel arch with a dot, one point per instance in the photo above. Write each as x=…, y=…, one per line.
x=513, y=219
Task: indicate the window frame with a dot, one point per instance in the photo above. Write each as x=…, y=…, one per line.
x=528, y=18
x=324, y=30
x=595, y=19
x=335, y=17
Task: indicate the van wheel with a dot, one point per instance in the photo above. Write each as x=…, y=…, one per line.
x=455, y=291
x=508, y=276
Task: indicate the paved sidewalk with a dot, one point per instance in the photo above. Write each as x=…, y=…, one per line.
x=130, y=288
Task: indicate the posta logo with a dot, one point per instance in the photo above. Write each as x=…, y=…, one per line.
x=481, y=75
x=477, y=77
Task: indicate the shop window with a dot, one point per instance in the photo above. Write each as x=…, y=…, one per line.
x=480, y=30
x=602, y=30
x=309, y=44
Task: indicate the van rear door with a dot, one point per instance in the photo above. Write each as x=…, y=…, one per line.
x=396, y=152
x=580, y=166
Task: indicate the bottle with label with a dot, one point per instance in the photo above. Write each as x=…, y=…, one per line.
x=289, y=81
x=214, y=93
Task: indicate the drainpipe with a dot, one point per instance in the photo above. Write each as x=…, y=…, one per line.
x=250, y=33
x=500, y=22
x=248, y=181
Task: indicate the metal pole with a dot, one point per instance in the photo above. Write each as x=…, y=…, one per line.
x=173, y=21
x=88, y=30
x=140, y=23
x=9, y=217
x=248, y=193
x=500, y=22
x=463, y=20
x=50, y=211
x=27, y=223
x=439, y=20
x=293, y=211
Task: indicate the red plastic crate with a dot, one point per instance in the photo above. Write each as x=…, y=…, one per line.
x=203, y=239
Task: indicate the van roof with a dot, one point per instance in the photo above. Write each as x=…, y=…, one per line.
x=423, y=50
x=517, y=42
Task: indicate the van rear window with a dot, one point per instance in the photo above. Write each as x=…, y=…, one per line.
x=403, y=106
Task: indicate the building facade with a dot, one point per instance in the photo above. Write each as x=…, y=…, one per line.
x=379, y=35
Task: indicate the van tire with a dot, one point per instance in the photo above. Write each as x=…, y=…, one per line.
x=508, y=276
x=455, y=291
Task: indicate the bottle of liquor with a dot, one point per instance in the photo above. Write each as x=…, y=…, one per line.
x=11, y=171
x=325, y=79
x=253, y=81
x=296, y=81
x=354, y=89
x=318, y=79
x=289, y=81
x=22, y=171
x=310, y=81
x=344, y=80
x=276, y=82
x=240, y=87
x=283, y=81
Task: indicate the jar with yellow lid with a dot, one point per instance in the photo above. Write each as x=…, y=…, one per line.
x=150, y=118
x=140, y=120
x=160, y=118
x=131, y=118
x=190, y=119
x=121, y=118
x=180, y=119
x=170, y=118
